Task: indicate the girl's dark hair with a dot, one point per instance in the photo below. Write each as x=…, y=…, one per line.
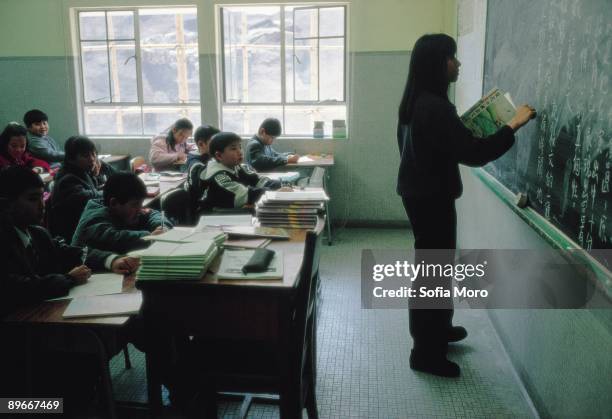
x=78, y=145
x=182, y=123
x=15, y=180
x=205, y=133
x=11, y=130
x=427, y=72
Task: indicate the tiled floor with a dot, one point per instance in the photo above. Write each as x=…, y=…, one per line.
x=363, y=367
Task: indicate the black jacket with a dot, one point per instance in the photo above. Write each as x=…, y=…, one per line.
x=263, y=157
x=72, y=189
x=26, y=280
x=435, y=142
x=233, y=187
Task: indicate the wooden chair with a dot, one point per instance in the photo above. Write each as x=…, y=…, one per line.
x=136, y=162
x=317, y=179
x=176, y=205
x=255, y=367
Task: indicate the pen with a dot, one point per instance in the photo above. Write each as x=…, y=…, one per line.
x=84, y=255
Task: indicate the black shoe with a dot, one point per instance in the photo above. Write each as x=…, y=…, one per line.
x=456, y=333
x=437, y=366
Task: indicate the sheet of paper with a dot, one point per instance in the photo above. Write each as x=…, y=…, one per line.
x=224, y=220
x=97, y=284
x=104, y=305
x=305, y=159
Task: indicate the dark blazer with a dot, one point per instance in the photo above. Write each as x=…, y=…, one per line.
x=263, y=157
x=73, y=187
x=435, y=142
x=28, y=280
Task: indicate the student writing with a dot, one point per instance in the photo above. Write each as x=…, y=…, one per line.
x=259, y=152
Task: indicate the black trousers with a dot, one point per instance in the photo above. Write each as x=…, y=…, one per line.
x=434, y=223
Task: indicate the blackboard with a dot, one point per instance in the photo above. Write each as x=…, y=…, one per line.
x=556, y=55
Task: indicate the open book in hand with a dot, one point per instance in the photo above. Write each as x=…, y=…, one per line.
x=489, y=114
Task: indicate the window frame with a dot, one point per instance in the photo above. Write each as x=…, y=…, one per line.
x=182, y=107
x=283, y=104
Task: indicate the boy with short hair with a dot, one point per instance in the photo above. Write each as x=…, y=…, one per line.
x=230, y=184
x=259, y=152
x=118, y=222
x=35, y=266
x=201, y=137
x=40, y=144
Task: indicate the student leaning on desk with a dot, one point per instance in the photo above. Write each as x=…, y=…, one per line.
x=259, y=152
x=168, y=150
x=35, y=266
x=118, y=222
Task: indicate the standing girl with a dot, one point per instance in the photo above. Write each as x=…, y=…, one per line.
x=432, y=142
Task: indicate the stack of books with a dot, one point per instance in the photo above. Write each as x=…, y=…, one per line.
x=295, y=209
x=175, y=260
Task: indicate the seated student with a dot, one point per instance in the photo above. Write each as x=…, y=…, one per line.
x=230, y=184
x=78, y=180
x=14, y=150
x=201, y=137
x=35, y=266
x=259, y=152
x=40, y=144
x=170, y=150
x=118, y=222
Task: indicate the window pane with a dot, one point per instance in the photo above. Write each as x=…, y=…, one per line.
x=305, y=23
x=170, y=65
x=299, y=120
x=331, y=21
x=95, y=72
x=123, y=71
x=113, y=121
x=246, y=121
x=92, y=26
x=157, y=26
x=306, y=71
x=332, y=69
x=159, y=75
x=252, y=54
x=120, y=25
x=159, y=119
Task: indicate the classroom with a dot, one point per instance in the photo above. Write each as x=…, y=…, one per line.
x=305, y=208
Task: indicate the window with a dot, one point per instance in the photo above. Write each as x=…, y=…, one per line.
x=139, y=69
x=283, y=61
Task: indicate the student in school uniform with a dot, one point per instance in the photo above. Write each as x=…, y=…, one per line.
x=36, y=267
x=14, y=150
x=201, y=137
x=259, y=152
x=40, y=144
x=169, y=151
x=432, y=142
x=118, y=222
x=79, y=180
x=230, y=184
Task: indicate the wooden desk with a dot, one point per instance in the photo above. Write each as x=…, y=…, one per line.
x=97, y=335
x=118, y=161
x=318, y=160
x=223, y=309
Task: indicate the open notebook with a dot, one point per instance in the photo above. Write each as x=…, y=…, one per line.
x=104, y=305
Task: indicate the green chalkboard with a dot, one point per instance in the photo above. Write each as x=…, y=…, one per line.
x=556, y=55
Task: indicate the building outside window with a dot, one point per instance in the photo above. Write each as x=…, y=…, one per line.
x=138, y=68
x=282, y=61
